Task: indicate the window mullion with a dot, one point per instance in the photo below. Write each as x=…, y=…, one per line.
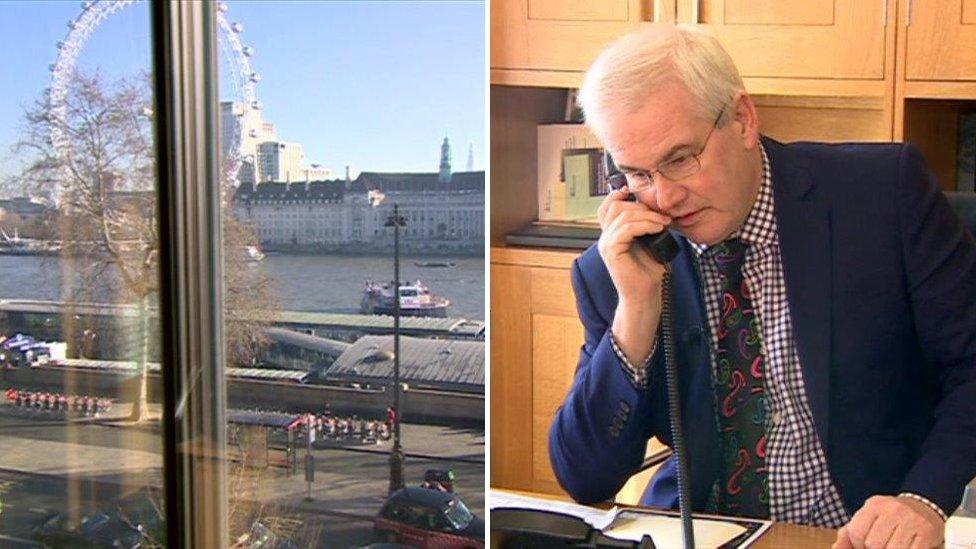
x=191, y=301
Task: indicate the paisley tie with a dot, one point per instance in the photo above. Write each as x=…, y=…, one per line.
x=739, y=390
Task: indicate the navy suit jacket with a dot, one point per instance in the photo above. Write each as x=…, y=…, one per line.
x=881, y=283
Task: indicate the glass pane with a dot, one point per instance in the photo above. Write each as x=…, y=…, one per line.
x=79, y=437
x=335, y=115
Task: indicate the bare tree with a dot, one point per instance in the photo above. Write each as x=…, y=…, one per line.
x=249, y=294
x=101, y=175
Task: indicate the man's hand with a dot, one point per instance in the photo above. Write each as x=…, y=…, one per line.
x=889, y=521
x=636, y=276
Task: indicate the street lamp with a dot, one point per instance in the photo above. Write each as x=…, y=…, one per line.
x=396, y=221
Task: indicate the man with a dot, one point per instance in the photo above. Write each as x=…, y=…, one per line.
x=824, y=311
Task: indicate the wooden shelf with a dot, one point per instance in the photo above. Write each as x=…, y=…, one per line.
x=536, y=78
x=532, y=257
x=761, y=86
x=940, y=90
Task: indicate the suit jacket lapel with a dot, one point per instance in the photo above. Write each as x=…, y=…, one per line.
x=803, y=223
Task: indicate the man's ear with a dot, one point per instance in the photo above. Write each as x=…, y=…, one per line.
x=745, y=120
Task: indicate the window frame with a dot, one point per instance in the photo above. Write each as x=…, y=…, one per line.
x=186, y=119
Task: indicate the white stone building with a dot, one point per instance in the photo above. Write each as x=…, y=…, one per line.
x=441, y=216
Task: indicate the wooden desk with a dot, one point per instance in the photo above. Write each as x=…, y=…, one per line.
x=779, y=535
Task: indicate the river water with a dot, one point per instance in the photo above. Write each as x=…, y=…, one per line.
x=330, y=283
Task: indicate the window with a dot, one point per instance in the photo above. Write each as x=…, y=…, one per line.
x=110, y=307
x=82, y=247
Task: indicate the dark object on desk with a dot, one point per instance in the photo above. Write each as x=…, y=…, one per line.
x=554, y=236
x=529, y=528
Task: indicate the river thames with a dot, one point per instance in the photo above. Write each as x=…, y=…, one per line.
x=328, y=283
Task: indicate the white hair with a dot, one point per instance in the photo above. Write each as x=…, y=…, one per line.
x=632, y=67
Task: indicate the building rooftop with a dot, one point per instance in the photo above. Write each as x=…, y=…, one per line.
x=418, y=182
x=24, y=205
x=444, y=364
x=306, y=341
x=335, y=189
x=314, y=190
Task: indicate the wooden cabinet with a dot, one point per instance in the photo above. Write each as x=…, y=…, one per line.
x=554, y=41
x=936, y=84
x=535, y=341
x=819, y=47
x=558, y=35
x=940, y=40
x=830, y=39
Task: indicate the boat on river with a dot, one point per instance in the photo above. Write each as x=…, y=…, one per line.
x=415, y=300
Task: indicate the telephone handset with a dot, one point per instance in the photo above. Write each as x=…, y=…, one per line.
x=662, y=246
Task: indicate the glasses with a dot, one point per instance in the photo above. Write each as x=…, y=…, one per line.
x=680, y=167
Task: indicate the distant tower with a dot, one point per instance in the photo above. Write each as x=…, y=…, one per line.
x=445, y=175
x=470, y=157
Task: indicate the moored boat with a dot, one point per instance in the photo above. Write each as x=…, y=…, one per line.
x=252, y=254
x=415, y=300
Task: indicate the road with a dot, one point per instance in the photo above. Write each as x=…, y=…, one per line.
x=47, y=466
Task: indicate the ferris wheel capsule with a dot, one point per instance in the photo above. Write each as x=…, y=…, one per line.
x=60, y=44
x=72, y=24
x=252, y=132
x=52, y=67
x=237, y=27
x=85, y=5
x=256, y=105
x=255, y=77
x=222, y=7
x=247, y=50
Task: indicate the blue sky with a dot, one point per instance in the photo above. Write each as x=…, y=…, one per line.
x=373, y=84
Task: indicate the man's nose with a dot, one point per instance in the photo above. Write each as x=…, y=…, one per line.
x=669, y=194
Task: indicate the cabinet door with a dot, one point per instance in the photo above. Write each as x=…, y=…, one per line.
x=941, y=40
x=535, y=341
x=556, y=339
x=560, y=35
x=834, y=39
x=511, y=377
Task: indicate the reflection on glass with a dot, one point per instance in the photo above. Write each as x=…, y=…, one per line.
x=78, y=252
x=347, y=121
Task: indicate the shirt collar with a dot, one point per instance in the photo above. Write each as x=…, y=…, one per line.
x=759, y=227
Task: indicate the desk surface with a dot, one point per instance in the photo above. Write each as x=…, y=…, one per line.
x=779, y=535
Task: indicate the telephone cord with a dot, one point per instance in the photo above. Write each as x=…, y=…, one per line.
x=674, y=411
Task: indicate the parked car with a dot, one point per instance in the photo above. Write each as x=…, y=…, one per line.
x=95, y=529
x=429, y=518
x=262, y=537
